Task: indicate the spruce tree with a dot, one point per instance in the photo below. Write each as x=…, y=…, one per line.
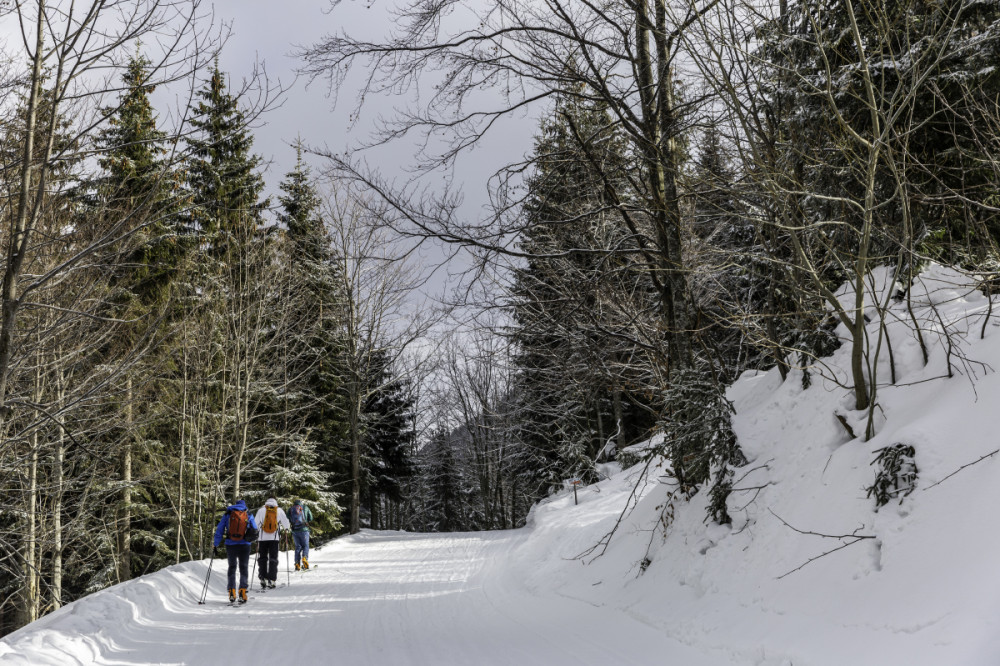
x=578, y=379
x=389, y=442
x=137, y=184
x=311, y=342
x=444, y=506
x=934, y=181
x=298, y=475
x=223, y=174
x=700, y=441
x=299, y=213
x=729, y=287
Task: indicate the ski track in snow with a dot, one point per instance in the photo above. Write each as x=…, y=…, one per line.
x=378, y=599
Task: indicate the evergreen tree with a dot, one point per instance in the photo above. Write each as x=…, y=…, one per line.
x=299, y=476
x=138, y=185
x=934, y=179
x=578, y=376
x=717, y=212
x=299, y=213
x=953, y=151
x=310, y=341
x=699, y=438
x=232, y=282
x=729, y=284
x=389, y=441
x=222, y=174
x=447, y=492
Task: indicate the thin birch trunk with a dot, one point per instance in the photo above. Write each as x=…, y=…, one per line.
x=125, y=529
x=57, y=528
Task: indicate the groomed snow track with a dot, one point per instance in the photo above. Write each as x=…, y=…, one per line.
x=379, y=599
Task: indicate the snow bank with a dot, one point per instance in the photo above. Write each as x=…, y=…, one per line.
x=919, y=587
x=85, y=631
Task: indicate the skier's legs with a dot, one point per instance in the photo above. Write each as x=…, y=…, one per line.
x=232, y=555
x=301, y=540
x=243, y=553
x=264, y=557
x=262, y=560
x=272, y=559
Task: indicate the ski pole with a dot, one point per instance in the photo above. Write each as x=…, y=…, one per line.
x=204, y=588
x=288, y=567
x=254, y=573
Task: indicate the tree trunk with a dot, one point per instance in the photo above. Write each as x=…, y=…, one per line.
x=18, y=241
x=199, y=508
x=656, y=93
x=180, y=466
x=57, y=509
x=355, y=418
x=31, y=573
x=29, y=612
x=619, y=421
x=125, y=529
x=601, y=441
x=57, y=535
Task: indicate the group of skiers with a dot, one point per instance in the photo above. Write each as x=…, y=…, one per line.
x=239, y=528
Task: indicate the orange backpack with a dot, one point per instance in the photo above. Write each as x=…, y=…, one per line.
x=271, y=519
x=237, y=525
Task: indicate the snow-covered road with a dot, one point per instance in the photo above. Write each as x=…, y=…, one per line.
x=373, y=599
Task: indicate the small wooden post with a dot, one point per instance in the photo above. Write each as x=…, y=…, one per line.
x=576, y=482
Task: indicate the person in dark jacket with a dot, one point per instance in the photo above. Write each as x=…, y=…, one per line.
x=299, y=516
x=237, y=545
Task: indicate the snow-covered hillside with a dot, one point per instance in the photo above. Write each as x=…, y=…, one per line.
x=808, y=574
x=923, y=589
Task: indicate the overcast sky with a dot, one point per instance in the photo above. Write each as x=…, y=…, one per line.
x=271, y=32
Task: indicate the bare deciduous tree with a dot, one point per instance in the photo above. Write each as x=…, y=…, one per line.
x=379, y=320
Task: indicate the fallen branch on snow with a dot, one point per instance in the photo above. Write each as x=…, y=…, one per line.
x=981, y=459
x=853, y=535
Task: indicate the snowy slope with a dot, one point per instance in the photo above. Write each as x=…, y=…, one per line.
x=924, y=589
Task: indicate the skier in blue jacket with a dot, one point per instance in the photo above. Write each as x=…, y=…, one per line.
x=299, y=516
x=239, y=529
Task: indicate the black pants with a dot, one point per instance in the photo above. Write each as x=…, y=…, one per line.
x=238, y=554
x=267, y=554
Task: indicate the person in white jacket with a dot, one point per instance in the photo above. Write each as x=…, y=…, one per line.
x=271, y=519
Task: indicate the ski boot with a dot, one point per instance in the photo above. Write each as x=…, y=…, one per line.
x=243, y=595
x=297, y=567
x=270, y=584
x=305, y=563
x=232, y=595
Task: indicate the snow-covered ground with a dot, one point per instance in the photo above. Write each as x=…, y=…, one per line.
x=375, y=599
x=921, y=587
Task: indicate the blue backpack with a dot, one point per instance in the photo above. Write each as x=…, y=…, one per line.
x=296, y=517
